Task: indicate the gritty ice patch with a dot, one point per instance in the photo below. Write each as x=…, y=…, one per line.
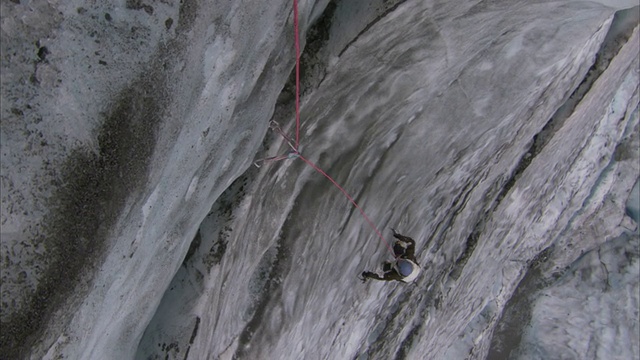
x=582, y=315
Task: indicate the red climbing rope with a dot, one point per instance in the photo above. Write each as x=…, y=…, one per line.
x=350, y=199
x=295, y=152
x=295, y=26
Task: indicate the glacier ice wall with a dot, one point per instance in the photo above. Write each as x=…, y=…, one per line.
x=133, y=224
x=122, y=123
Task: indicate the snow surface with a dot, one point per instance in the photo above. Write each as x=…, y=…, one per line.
x=134, y=226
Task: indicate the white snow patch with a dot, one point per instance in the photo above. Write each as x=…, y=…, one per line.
x=192, y=187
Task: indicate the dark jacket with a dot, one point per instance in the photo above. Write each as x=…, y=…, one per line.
x=404, y=248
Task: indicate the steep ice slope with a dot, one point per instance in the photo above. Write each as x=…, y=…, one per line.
x=599, y=233
x=121, y=124
x=591, y=312
x=124, y=123
x=426, y=134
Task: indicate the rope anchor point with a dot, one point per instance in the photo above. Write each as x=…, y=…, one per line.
x=293, y=154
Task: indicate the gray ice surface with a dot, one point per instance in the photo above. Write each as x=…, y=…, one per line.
x=633, y=203
x=502, y=136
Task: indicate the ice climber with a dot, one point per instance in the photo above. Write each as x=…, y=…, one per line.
x=405, y=268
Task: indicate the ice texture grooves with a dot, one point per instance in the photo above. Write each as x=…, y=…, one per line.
x=134, y=224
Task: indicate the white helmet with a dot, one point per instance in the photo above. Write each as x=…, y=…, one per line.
x=407, y=269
